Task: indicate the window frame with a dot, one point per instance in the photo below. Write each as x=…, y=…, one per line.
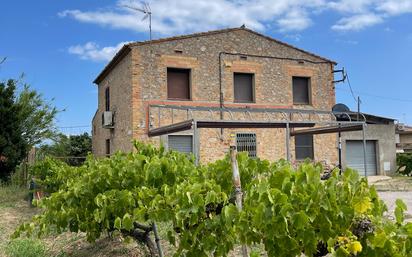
x=309, y=85
x=253, y=87
x=312, y=147
x=189, y=70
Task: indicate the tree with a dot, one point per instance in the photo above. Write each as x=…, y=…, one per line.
x=27, y=119
x=12, y=145
x=70, y=148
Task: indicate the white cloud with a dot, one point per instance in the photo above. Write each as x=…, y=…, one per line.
x=294, y=20
x=395, y=7
x=180, y=16
x=92, y=51
x=357, y=22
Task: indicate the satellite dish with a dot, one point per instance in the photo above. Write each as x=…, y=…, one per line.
x=340, y=108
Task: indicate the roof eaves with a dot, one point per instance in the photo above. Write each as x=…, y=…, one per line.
x=116, y=59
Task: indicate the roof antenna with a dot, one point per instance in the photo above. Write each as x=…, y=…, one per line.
x=147, y=14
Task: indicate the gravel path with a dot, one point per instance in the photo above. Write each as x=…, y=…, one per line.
x=390, y=197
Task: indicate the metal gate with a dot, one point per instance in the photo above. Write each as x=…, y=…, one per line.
x=181, y=143
x=355, y=160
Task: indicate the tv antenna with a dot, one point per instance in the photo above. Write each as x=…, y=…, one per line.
x=147, y=14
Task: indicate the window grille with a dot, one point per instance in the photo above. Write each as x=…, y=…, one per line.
x=246, y=142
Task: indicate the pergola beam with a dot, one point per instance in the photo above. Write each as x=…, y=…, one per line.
x=189, y=124
x=327, y=130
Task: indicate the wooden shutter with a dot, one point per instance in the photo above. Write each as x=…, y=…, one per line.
x=243, y=87
x=304, y=147
x=178, y=84
x=301, y=90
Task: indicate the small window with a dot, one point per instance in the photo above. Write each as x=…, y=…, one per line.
x=246, y=142
x=178, y=84
x=107, y=99
x=243, y=87
x=181, y=143
x=107, y=147
x=301, y=90
x=304, y=147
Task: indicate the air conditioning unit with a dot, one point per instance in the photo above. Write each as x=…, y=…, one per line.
x=107, y=119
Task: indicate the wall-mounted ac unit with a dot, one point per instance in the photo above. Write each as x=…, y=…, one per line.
x=107, y=119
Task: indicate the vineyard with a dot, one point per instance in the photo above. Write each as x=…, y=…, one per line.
x=286, y=211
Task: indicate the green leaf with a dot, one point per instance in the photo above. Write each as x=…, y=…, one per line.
x=127, y=222
x=118, y=223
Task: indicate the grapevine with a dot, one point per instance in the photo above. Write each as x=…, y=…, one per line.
x=287, y=211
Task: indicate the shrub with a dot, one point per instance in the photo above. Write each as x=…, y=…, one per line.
x=404, y=162
x=26, y=248
x=51, y=174
x=290, y=211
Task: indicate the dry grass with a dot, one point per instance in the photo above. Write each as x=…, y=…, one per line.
x=14, y=210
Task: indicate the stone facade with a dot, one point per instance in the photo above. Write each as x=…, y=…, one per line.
x=140, y=79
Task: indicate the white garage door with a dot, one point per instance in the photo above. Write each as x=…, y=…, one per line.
x=354, y=157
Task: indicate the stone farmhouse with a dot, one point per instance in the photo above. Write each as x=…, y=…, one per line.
x=162, y=91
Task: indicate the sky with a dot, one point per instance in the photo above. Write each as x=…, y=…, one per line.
x=61, y=46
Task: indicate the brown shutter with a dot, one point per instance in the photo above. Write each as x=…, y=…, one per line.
x=243, y=87
x=300, y=90
x=178, y=84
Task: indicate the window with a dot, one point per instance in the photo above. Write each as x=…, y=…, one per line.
x=301, y=90
x=246, y=142
x=107, y=147
x=178, y=84
x=243, y=87
x=181, y=143
x=107, y=99
x=304, y=147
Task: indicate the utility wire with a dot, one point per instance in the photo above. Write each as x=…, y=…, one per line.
x=379, y=96
x=350, y=87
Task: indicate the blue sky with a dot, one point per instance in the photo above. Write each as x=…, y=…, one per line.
x=62, y=45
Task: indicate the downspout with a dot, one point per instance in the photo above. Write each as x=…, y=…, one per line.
x=220, y=93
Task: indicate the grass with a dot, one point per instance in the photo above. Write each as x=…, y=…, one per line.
x=14, y=210
x=26, y=247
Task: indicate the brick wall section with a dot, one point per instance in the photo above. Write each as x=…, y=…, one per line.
x=119, y=80
x=273, y=86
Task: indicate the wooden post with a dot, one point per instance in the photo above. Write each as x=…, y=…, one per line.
x=238, y=187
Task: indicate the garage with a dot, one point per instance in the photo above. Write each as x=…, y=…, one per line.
x=355, y=160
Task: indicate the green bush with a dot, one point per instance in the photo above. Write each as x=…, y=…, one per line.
x=289, y=211
x=404, y=162
x=51, y=174
x=26, y=248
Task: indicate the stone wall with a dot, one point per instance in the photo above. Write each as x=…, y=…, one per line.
x=119, y=80
x=270, y=62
